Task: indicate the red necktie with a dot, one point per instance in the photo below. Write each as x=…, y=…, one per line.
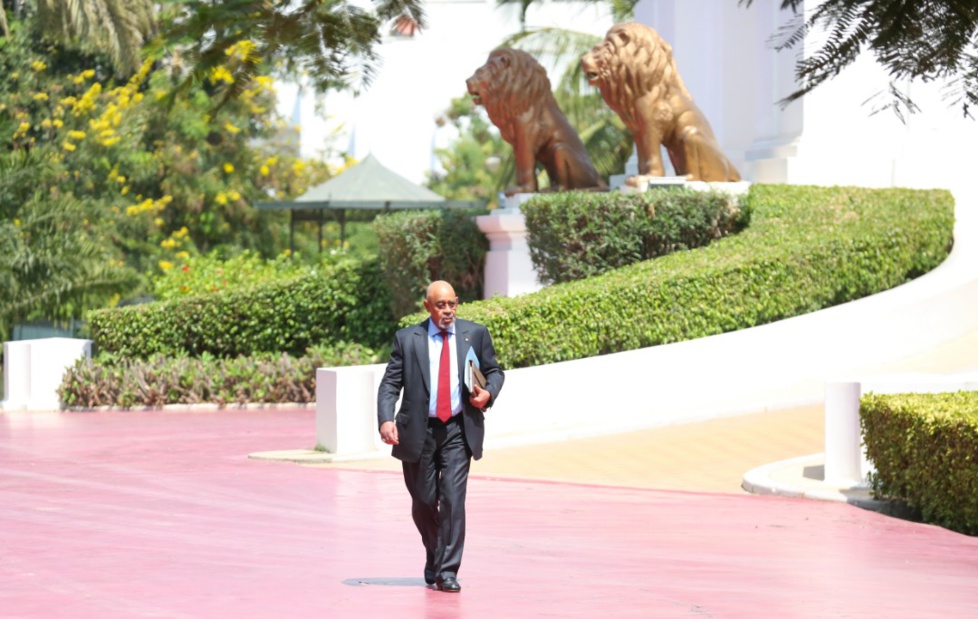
x=444, y=404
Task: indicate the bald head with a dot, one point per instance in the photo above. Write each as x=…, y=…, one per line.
x=439, y=288
x=440, y=301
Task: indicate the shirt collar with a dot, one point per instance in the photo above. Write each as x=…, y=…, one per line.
x=434, y=330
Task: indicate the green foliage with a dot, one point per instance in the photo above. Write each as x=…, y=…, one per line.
x=53, y=263
x=574, y=235
x=162, y=379
x=467, y=175
x=807, y=248
x=418, y=247
x=925, y=449
x=345, y=301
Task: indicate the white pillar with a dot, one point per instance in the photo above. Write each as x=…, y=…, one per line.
x=509, y=270
x=346, y=409
x=16, y=375
x=843, y=436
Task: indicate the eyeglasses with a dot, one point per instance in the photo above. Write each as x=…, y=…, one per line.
x=449, y=304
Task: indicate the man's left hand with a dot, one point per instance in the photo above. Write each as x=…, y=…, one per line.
x=479, y=398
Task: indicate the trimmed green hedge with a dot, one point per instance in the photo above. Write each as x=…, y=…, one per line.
x=418, y=247
x=925, y=449
x=574, y=235
x=160, y=380
x=807, y=248
x=342, y=302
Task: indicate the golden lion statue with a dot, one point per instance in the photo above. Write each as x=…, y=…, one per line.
x=636, y=74
x=515, y=91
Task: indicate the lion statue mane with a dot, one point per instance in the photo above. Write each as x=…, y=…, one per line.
x=634, y=70
x=515, y=91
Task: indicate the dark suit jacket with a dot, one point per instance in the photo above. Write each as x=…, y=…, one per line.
x=408, y=368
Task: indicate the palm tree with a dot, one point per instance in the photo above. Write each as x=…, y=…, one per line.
x=116, y=28
x=925, y=39
x=330, y=41
x=51, y=263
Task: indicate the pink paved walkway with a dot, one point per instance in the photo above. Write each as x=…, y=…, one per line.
x=162, y=515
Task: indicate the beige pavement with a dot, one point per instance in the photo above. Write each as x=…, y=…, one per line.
x=710, y=456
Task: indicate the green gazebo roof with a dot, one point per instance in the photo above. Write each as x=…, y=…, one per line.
x=369, y=186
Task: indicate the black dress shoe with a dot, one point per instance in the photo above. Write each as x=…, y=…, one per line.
x=449, y=585
x=429, y=575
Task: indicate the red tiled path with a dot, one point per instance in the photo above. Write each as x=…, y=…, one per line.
x=162, y=515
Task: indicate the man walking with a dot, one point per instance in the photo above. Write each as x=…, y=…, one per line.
x=440, y=425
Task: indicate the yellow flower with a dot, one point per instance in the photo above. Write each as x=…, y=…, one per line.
x=68, y=146
x=168, y=243
x=16, y=223
x=158, y=221
x=88, y=73
x=242, y=49
x=46, y=123
x=38, y=66
x=125, y=190
x=182, y=232
x=166, y=266
x=234, y=195
x=114, y=300
x=228, y=168
x=221, y=74
x=22, y=130
x=221, y=198
x=58, y=123
x=132, y=210
x=41, y=96
x=14, y=75
x=182, y=255
x=76, y=135
x=231, y=128
x=264, y=170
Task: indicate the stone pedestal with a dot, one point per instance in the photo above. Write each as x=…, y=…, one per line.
x=509, y=270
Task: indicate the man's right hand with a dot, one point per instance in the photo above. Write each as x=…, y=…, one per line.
x=388, y=432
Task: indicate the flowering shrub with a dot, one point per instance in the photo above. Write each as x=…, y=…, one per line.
x=162, y=379
x=195, y=275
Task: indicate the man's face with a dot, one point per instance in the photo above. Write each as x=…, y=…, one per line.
x=441, y=304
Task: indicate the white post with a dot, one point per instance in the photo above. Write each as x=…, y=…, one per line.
x=843, y=436
x=49, y=358
x=16, y=375
x=346, y=409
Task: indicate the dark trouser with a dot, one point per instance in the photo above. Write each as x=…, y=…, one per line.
x=437, y=484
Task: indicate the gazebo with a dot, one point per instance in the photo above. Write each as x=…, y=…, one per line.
x=367, y=186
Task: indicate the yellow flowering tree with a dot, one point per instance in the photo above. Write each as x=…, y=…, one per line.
x=153, y=184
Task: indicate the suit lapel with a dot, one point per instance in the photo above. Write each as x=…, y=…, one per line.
x=462, y=346
x=421, y=352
